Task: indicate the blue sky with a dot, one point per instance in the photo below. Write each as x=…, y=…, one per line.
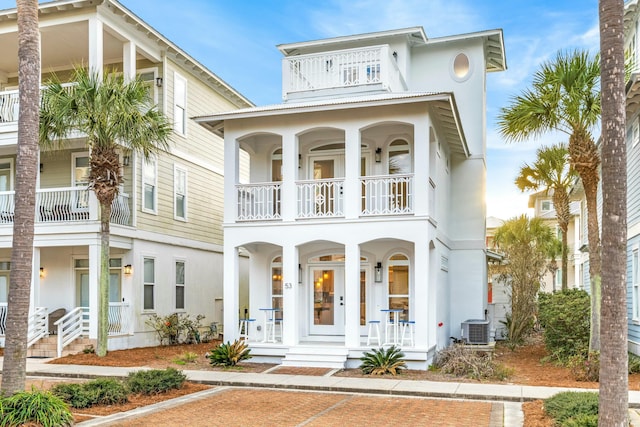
x=236, y=40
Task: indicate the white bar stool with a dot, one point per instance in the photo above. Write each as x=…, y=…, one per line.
x=243, y=330
x=269, y=324
x=408, y=327
x=374, y=332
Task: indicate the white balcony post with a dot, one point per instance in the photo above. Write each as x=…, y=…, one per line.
x=288, y=193
x=291, y=291
x=286, y=78
x=35, y=280
x=421, y=184
x=94, y=206
x=423, y=309
x=129, y=61
x=352, y=295
x=96, y=48
x=231, y=176
x=351, y=187
x=231, y=293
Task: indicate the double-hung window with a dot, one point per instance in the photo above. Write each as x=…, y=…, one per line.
x=180, y=192
x=635, y=282
x=150, y=185
x=180, y=282
x=179, y=104
x=149, y=284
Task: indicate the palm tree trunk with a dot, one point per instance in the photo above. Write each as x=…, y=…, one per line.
x=103, y=303
x=15, y=353
x=613, y=406
x=561, y=203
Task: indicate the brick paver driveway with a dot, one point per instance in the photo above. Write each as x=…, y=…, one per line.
x=266, y=407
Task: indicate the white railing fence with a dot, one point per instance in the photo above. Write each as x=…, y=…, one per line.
x=120, y=210
x=38, y=325
x=387, y=195
x=320, y=198
x=3, y=318
x=10, y=103
x=71, y=326
x=258, y=201
x=119, y=318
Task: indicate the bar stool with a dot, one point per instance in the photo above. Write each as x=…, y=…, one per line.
x=408, y=326
x=276, y=321
x=391, y=325
x=269, y=324
x=374, y=327
x=243, y=330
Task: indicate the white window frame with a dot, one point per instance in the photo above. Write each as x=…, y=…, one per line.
x=10, y=161
x=154, y=162
x=177, y=172
x=635, y=283
x=146, y=283
x=179, y=105
x=180, y=285
x=543, y=202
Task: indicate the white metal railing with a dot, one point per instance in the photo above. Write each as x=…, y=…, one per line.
x=258, y=201
x=38, y=325
x=387, y=195
x=72, y=325
x=3, y=318
x=343, y=68
x=69, y=204
x=320, y=198
x=119, y=318
x=10, y=103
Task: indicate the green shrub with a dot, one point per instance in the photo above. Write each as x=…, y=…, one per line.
x=229, y=354
x=572, y=405
x=634, y=363
x=582, y=420
x=102, y=391
x=155, y=381
x=176, y=328
x=464, y=362
x=37, y=406
x=585, y=368
x=565, y=317
x=380, y=361
x=187, y=357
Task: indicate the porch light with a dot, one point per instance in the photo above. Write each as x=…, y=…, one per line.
x=128, y=269
x=41, y=167
x=299, y=274
x=378, y=272
x=42, y=272
x=159, y=81
x=299, y=161
x=378, y=155
x=126, y=160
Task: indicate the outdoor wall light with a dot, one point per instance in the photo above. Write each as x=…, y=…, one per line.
x=378, y=272
x=41, y=167
x=128, y=269
x=159, y=81
x=42, y=272
x=299, y=161
x=299, y=274
x=126, y=160
x=378, y=155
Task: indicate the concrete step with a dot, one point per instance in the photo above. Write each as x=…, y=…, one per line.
x=316, y=357
x=48, y=347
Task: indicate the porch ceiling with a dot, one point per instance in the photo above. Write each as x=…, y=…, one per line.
x=633, y=93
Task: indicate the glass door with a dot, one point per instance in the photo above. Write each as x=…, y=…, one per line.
x=327, y=297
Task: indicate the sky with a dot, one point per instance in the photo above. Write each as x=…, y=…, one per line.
x=236, y=40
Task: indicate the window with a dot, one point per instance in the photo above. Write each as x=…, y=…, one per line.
x=148, y=76
x=149, y=284
x=276, y=165
x=149, y=185
x=180, y=192
x=399, y=285
x=179, y=104
x=461, y=67
x=546, y=205
x=180, y=285
x=6, y=174
x=276, y=283
x=399, y=157
x=635, y=280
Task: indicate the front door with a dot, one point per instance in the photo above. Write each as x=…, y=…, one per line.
x=327, y=300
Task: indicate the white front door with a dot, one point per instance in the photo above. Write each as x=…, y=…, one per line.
x=327, y=300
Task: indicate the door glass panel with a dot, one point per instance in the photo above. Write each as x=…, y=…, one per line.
x=84, y=289
x=4, y=287
x=399, y=289
x=114, y=287
x=323, y=294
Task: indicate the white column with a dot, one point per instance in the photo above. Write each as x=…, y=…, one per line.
x=36, y=281
x=94, y=288
x=352, y=295
x=95, y=46
x=423, y=309
x=231, y=176
x=351, y=189
x=421, y=184
x=231, y=292
x=288, y=194
x=291, y=290
x=129, y=61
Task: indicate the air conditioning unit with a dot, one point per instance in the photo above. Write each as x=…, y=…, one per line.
x=475, y=331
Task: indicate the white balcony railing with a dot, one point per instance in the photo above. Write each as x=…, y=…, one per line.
x=9, y=104
x=341, y=69
x=119, y=318
x=3, y=318
x=320, y=198
x=387, y=195
x=258, y=202
x=37, y=323
x=68, y=204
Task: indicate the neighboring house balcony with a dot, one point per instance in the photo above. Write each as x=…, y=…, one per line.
x=372, y=69
x=325, y=198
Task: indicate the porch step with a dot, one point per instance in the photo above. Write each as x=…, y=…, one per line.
x=47, y=347
x=316, y=357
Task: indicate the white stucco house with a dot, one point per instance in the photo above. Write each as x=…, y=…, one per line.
x=365, y=193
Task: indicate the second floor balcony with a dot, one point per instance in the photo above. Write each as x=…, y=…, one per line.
x=350, y=70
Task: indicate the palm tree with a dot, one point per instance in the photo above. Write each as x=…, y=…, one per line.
x=114, y=115
x=15, y=353
x=552, y=171
x=565, y=97
x=613, y=406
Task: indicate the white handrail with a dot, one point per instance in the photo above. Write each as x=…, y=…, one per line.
x=119, y=318
x=259, y=201
x=71, y=326
x=318, y=198
x=38, y=322
x=387, y=195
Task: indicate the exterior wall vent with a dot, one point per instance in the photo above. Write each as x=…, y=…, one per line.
x=475, y=331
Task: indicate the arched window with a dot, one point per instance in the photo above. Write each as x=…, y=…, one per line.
x=276, y=283
x=276, y=165
x=398, y=269
x=399, y=157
